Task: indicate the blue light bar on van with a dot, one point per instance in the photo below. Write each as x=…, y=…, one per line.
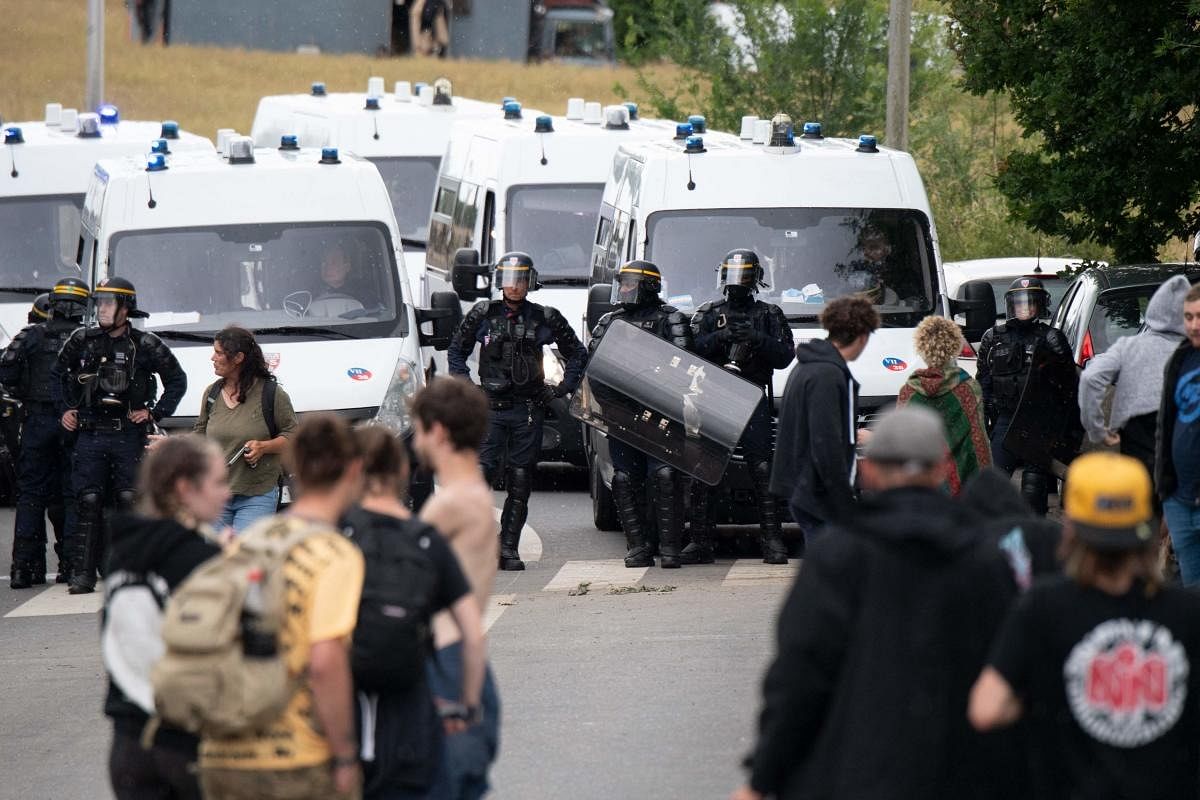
x=544, y=124
x=318, y=89
x=170, y=129
x=13, y=135
x=108, y=114
x=698, y=122
x=812, y=130
x=633, y=110
x=156, y=162
x=512, y=110
x=329, y=155
x=695, y=144
x=683, y=130
x=372, y=104
x=289, y=141
x=867, y=144
x=160, y=146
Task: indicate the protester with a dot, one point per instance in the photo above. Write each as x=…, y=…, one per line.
x=1132, y=368
x=310, y=752
x=450, y=418
x=885, y=628
x=953, y=394
x=182, y=489
x=1029, y=540
x=1177, y=464
x=250, y=417
x=814, y=464
x=401, y=729
x=1100, y=661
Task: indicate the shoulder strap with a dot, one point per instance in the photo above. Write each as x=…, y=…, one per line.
x=268, y=405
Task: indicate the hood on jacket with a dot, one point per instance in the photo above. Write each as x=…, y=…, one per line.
x=821, y=351
x=909, y=516
x=141, y=544
x=935, y=382
x=990, y=494
x=1164, y=312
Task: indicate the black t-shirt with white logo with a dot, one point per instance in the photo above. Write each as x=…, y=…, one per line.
x=1109, y=688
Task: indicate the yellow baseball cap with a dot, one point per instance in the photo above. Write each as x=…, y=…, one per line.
x=1108, y=500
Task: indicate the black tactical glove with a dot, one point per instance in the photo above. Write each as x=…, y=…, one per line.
x=551, y=393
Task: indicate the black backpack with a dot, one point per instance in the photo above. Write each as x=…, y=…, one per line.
x=392, y=639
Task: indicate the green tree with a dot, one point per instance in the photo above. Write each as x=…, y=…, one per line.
x=1107, y=90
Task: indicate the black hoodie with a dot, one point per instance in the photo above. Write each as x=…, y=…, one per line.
x=814, y=444
x=167, y=549
x=879, y=642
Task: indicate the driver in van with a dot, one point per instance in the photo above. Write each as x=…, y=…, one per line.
x=866, y=275
x=333, y=296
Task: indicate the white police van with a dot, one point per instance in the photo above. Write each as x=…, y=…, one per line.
x=298, y=245
x=47, y=166
x=404, y=134
x=529, y=181
x=829, y=217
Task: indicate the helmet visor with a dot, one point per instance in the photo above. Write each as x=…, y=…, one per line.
x=513, y=276
x=627, y=289
x=1024, y=304
x=739, y=275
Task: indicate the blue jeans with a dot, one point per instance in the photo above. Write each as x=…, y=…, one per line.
x=467, y=755
x=1183, y=523
x=243, y=510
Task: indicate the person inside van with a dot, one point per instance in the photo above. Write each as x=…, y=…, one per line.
x=334, y=294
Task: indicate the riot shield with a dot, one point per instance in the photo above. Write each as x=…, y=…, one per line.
x=1045, y=429
x=669, y=403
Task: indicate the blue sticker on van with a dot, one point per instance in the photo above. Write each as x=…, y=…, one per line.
x=895, y=364
x=359, y=374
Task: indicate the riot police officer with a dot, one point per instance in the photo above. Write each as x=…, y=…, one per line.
x=752, y=338
x=1005, y=356
x=511, y=333
x=635, y=291
x=44, y=463
x=103, y=387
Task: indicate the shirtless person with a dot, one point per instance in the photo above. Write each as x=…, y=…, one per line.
x=450, y=420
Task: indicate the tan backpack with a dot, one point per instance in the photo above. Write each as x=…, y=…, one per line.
x=205, y=683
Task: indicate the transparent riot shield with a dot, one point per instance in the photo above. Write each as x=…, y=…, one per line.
x=1045, y=429
x=669, y=403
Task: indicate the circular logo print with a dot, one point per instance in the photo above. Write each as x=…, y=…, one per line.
x=359, y=374
x=1126, y=682
x=895, y=364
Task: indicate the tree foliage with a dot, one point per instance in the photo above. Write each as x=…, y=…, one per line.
x=1108, y=91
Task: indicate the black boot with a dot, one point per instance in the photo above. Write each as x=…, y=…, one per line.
x=669, y=507
x=24, y=576
x=629, y=514
x=1035, y=485
x=771, y=532
x=700, y=549
x=519, y=482
x=84, y=551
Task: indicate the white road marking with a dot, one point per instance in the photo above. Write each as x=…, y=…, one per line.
x=599, y=575
x=497, y=605
x=530, y=546
x=54, y=600
x=752, y=572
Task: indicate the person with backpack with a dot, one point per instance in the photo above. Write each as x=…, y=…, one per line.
x=410, y=567
x=250, y=417
x=182, y=489
x=297, y=612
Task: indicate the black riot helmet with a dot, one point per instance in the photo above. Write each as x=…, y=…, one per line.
x=124, y=293
x=40, y=310
x=637, y=283
x=68, y=299
x=1026, y=300
x=516, y=269
x=740, y=271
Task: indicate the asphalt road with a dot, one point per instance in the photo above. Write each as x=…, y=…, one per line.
x=615, y=683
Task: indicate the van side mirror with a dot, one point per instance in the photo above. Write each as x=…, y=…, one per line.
x=466, y=273
x=977, y=301
x=599, y=303
x=446, y=314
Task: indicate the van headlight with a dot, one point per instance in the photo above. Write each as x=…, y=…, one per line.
x=552, y=368
x=393, y=411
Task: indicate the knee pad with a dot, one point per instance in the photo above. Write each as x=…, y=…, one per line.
x=520, y=482
x=664, y=478
x=126, y=499
x=91, y=504
x=621, y=481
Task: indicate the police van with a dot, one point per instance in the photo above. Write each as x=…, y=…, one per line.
x=529, y=181
x=298, y=245
x=47, y=166
x=404, y=134
x=829, y=217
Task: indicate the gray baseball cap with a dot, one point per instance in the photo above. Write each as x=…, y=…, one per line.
x=907, y=435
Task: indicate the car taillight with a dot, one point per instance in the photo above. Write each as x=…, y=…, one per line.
x=968, y=351
x=1087, y=351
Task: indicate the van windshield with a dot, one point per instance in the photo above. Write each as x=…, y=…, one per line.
x=38, y=240
x=810, y=256
x=263, y=277
x=556, y=225
x=410, y=183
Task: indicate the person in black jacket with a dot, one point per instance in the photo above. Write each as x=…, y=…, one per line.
x=183, y=489
x=880, y=639
x=814, y=466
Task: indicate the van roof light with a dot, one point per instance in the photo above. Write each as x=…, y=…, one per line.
x=683, y=130
x=593, y=114
x=89, y=125
x=318, y=89
x=13, y=135
x=375, y=86
x=156, y=162
x=53, y=114
x=508, y=98
x=403, y=91
x=372, y=104
x=694, y=144
x=616, y=118
x=512, y=110
x=425, y=94
x=289, y=141
x=699, y=123
x=329, y=155
x=160, y=146
x=762, y=131
x=70, y=121
x=223, y=135
x=170, y=129
x=443, y=92
x=108, y=114
x=241, y=150
x=418, y=86
x=633, y=110
x=781, y=131
x=575, y=106
x=543, y=124
x=812, y=130
x=748, y=123
x=867, y=144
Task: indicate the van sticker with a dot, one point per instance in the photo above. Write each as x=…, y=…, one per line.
x=359, y=374
x=895, y=364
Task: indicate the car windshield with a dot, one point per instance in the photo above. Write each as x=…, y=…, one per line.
x=1117, y=314
x=555, y=225
x=410, y=183
x=810, y=256
x=265, y=276
x=38, y=239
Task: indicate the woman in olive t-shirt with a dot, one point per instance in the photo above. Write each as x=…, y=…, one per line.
x=234, y=420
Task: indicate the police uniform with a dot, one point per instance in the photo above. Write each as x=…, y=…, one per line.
x=635, y=293
x=511, y=338
x=1005, y=356
x=44, y=463
x=105, y=378
x=753, y=339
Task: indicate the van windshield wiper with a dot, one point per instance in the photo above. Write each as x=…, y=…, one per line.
x=304, y=330
x=803, y=318
x=416, y=244
x=23, y=290
x=182, y=336
x=563, y=280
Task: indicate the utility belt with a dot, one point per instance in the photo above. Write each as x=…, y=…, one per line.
x=506, y=403
x=109, y=424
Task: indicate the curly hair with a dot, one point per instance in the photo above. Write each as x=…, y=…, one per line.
x=848, y=318
x=938, y=341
